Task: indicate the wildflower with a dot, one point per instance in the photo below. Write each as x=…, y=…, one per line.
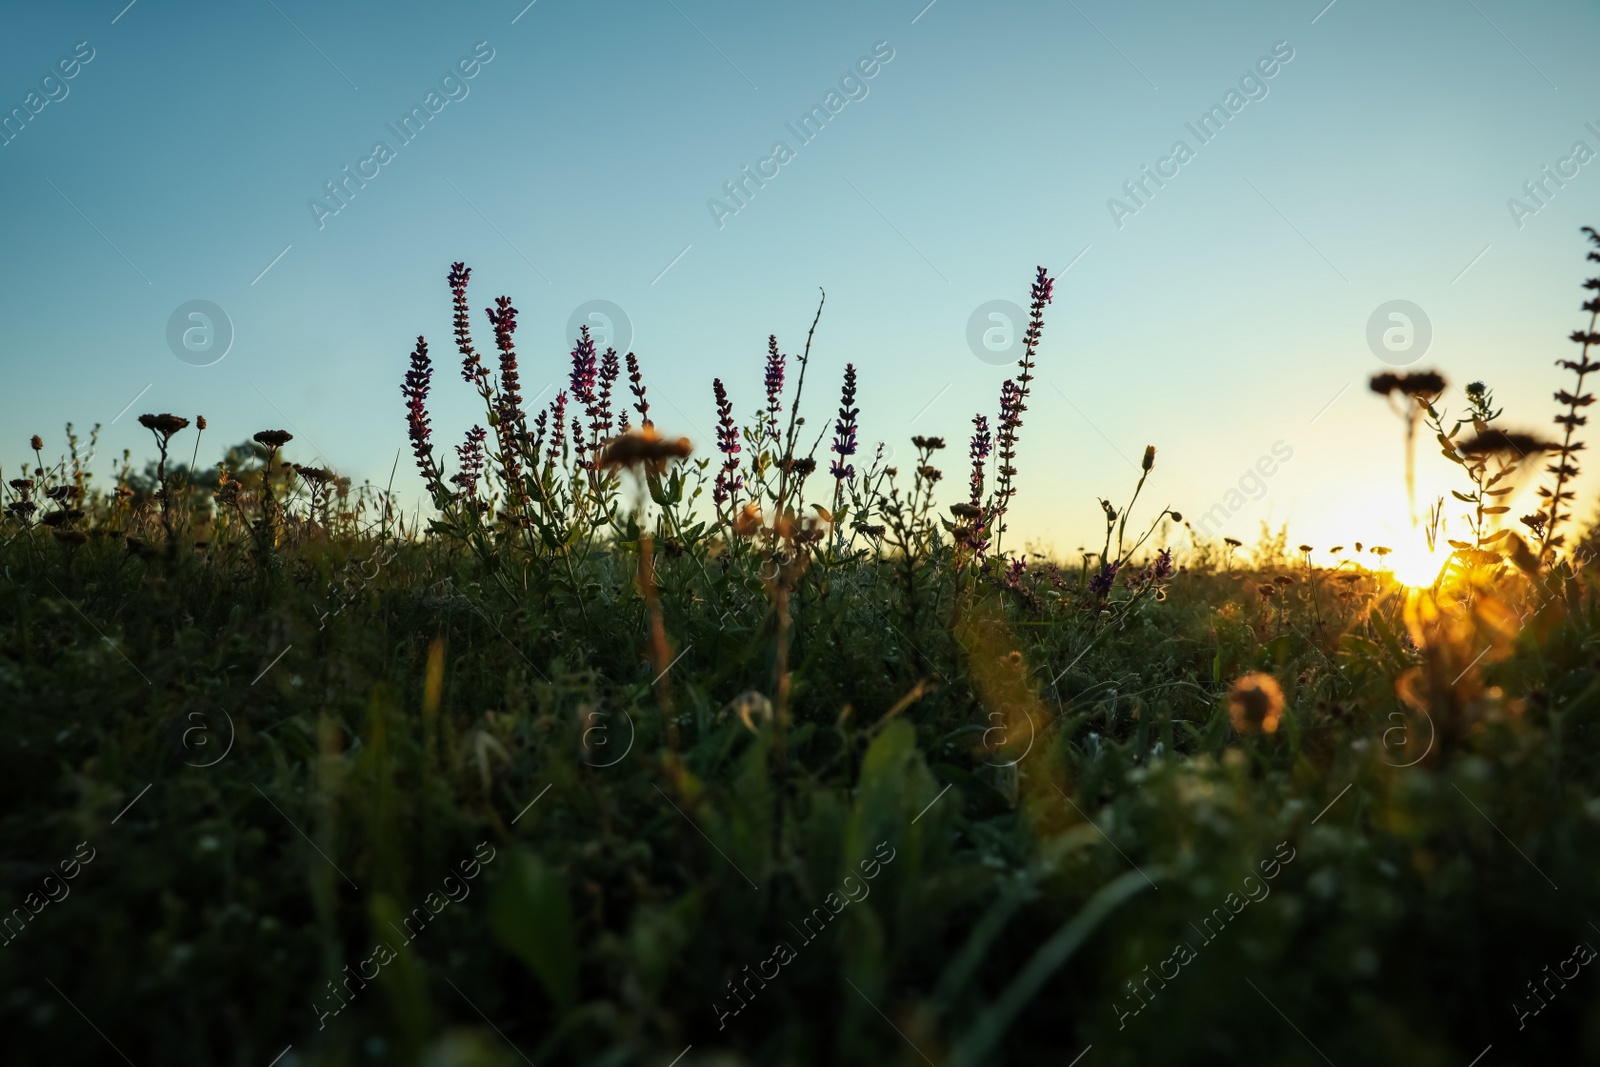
x=1149, y=458
x=804, y=467
x=636, y=387
x=1232, y=542
x=610, y=368
x=928, y=444
x=1176, y=517
x=318, y=476
x=473, y=371
x=966, y=511
x=558, y=431
x=1013, y=402
x=844, y=427
x=1163, y=568
x=37, y=442
x=728, y=480
x=1255, y=703
x=774, y=382
x=748, y=522
x=275, y=439
x=1101, y=583
x=1566, y=466
x=1307, y=549
x=470, y=455
x=1505, y=443
x=1421, y=385
x=163, y=425
x=415, y=390
x=643, y=448
x=583, y=373
x=62, y=493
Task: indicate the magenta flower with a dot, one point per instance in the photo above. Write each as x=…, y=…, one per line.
x=583, y=373
x=774, y=382
x=558, y=427
x=1101, y=583
x=509, y=426
x=472, y=368
x=470, y=454
x=415, y=390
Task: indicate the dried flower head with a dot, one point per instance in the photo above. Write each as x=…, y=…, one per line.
x=273, y=438
x=1421, y=384
x=1255, y=703
x=200, y=422
x=315, y=475
x=1149, y=457
x=930, y=444
x=1506, y=443
x=37, y=442
x=166, y=424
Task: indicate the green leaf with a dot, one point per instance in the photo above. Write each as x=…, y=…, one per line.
x=532, y=916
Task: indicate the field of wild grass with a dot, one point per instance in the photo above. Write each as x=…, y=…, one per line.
x=613, y=752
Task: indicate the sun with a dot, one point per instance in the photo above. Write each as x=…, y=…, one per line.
x=1414, y=565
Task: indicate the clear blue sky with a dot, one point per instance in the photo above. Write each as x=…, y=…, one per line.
x=1219, y=319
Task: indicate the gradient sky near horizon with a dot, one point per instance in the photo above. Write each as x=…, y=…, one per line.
x=1228, y=314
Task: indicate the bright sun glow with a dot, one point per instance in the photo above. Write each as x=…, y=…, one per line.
x=1414, y=565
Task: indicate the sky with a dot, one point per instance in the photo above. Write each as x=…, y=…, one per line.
x=1222, y=316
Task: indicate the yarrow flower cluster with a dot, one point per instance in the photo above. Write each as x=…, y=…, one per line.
x=844, y=427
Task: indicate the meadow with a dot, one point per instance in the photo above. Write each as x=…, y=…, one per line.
x=616, y=752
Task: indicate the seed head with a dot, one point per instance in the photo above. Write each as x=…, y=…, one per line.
x=1255, y=703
